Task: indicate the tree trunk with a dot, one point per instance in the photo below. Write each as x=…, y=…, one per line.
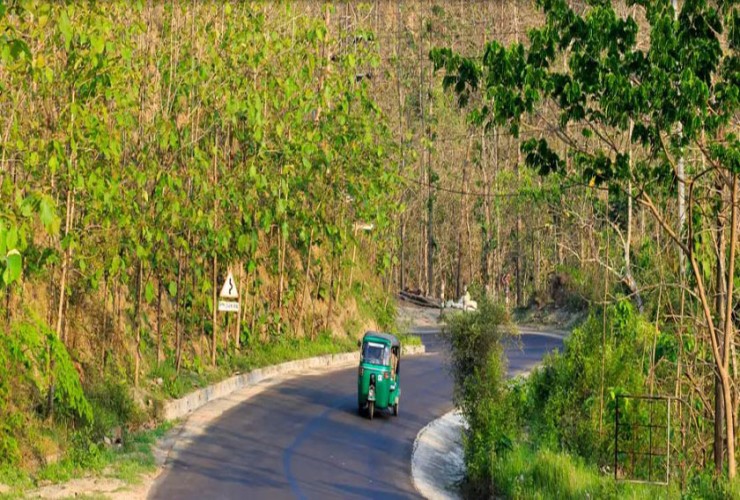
x=242, y=297
x=423, y=171
x=137, y=351
x=402, y=139
x=104, y=329
x=719, y=432
x=215, y=310
x=603, y=327
x=470, y=239
x=719, y=304
x=517, y=240
x=65, y=265
x=178, y=332
x=352, y=266
x=62, y=298
x=329, y=310
x=487, y=231
x=729, y=330
x=307, y=274
x=159, y=322
x=628, y=279
x=519, y=290
x=215, y=253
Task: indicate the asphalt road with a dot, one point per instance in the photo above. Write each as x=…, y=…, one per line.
x=304, y=438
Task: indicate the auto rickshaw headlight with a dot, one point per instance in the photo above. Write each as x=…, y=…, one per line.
x=386, y=375
x=372, y=378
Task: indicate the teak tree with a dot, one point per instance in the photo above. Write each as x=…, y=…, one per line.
x=149, y=147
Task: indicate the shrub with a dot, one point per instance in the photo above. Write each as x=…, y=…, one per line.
x=113, y=406
x=478, y=369
x=25, y=353
x=564, y=394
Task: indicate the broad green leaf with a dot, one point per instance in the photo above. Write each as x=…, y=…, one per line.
x=11, y=238
x=13, y=267
x=115, y=265
x=48, y=215
x=65, y=27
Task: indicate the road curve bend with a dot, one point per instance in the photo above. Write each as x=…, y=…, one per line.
x=304, y=438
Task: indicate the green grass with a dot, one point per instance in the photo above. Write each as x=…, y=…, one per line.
x=292, y=349
x=523, y=473
x=373, y=303
x=197, y=375
x=84, y=458
x=408, y=339
x=14, y=477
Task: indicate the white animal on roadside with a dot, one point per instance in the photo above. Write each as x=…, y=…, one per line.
x=468, y=304
x=465, y=303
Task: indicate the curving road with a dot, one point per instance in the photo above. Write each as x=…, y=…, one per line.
x=304, y=438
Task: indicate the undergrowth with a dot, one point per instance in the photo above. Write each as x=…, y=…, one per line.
x=127, y=461
x=523, y=473
x=550, y=436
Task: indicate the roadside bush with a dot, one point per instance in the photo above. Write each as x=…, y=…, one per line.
x=708, y=486
x=113, y=406
x=564, y=406
x=24, y=356
x=545, y=436
x=478, y=369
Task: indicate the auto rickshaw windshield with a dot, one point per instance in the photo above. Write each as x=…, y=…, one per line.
x=376, y=354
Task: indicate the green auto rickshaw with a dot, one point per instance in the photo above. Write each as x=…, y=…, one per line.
x=378, y=382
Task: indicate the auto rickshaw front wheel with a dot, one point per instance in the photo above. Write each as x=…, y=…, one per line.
x=371, y=409
x=395, y=409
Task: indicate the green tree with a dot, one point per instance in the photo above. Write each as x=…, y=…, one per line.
x=627, y=113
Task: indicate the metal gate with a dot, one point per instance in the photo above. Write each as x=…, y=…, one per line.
x=642, y=438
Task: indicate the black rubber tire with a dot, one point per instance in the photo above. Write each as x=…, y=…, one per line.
x=371, y=409
x=360, y=409
x=395, y=409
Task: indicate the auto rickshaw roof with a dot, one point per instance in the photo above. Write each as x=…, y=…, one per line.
x=384, y=336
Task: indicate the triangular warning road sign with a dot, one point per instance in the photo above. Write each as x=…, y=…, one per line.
x=229, y=291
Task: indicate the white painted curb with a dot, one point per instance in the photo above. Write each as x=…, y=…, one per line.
x=437, y=462
x=178, y=408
